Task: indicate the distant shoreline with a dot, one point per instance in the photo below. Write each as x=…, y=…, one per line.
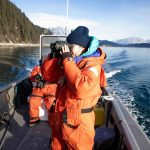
x=3, y=45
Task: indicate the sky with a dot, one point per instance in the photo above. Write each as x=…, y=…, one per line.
x=106, y=19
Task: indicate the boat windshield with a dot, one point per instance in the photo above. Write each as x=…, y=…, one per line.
x=46, y=41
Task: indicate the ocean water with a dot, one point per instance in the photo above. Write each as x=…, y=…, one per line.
x=16, y=63
x=128, y=74
x=127, y=71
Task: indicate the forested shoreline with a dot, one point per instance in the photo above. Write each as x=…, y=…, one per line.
x=15, y=27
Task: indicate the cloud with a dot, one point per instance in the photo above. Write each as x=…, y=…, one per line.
x=100, y=30
x=109, y=29
x=50, y=20
x=46, y=20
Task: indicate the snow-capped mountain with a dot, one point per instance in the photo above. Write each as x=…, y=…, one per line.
x=58, y=30
x=132, y=40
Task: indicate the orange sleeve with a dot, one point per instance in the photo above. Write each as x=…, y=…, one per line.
x=36, y=70
x=81, y=82
x=103, y=80
x=50, y=70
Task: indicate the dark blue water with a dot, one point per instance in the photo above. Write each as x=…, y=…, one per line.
x=128, y=72
x=16, y=63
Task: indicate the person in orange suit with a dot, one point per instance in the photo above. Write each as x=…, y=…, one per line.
x=41, y=91
x=79, y=76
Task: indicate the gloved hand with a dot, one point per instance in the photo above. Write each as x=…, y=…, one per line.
x=66, y=53
x=40, y=84
x=38, y=77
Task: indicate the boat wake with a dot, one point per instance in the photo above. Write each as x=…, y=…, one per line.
x=112, y=73
x=137, y=109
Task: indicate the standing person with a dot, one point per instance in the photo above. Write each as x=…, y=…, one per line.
x=79, y=76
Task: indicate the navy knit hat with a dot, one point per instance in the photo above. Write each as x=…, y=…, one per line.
x=79, y=36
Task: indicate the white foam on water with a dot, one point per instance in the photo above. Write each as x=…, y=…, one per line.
x=112, y=73
x=127, y=98
x=29, y=69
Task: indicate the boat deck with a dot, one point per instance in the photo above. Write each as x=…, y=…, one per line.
x=22, y=137
x=122, y=131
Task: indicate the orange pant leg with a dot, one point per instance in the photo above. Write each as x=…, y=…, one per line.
x=49, y=93
x=35, y=102
x=55, y=123
x=82, y=137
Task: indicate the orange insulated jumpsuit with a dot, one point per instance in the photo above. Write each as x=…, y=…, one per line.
x=46, y=93
x=78, y=90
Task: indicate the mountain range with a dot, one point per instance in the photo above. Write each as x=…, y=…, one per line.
x=126, y=42
x=132, y=40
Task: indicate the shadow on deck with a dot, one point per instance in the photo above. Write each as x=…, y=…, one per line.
x=22, y=137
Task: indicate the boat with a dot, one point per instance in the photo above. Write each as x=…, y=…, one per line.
x=115, y=127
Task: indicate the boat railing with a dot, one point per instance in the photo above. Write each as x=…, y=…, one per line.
x=129, y=134
x=10, y=85
x=8, y=103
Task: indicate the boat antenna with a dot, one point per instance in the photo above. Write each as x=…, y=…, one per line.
x=66, y=28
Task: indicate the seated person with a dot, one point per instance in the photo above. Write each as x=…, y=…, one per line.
x=41, y=91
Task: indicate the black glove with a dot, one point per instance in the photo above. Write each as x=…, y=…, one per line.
x=66, y=55
x=38, y=77
x=40, y=84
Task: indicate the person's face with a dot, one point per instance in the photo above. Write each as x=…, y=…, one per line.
x=76, y=50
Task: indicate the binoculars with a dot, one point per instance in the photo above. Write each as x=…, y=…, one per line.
x=57, y=46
